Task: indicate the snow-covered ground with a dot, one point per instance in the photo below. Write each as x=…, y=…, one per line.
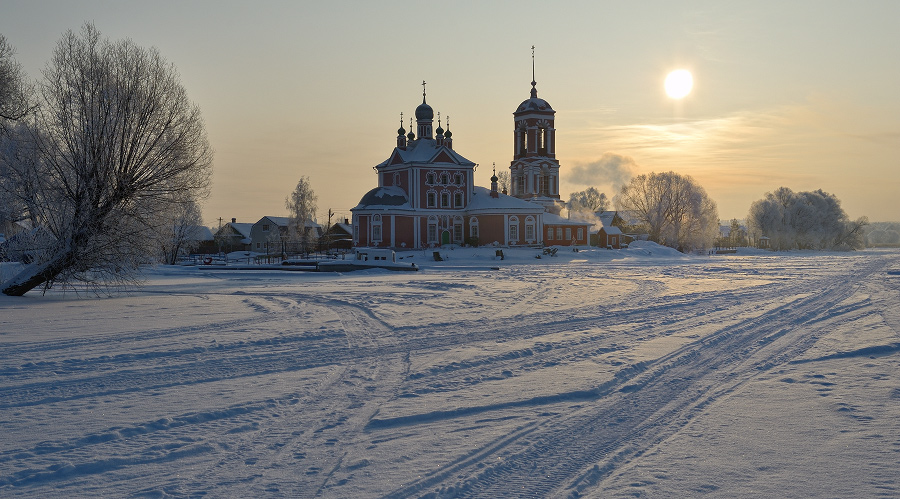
x=599, y=373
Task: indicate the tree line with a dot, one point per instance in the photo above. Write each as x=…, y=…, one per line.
x=674, y=210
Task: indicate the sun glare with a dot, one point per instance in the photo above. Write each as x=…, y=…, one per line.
x=679, y=83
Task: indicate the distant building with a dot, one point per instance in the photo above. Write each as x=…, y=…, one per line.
x=270, y=235
x=426, y=195
x=234, y=236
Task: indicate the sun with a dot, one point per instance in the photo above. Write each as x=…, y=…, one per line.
x=679, y=83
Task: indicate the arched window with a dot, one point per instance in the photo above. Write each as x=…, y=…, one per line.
x=529, y=230
x=458, y=199
x=429, y=178
x=457, y=230
x=397, y=178
x=431, y=199
x=376, y=229
x=513, y=230
x=458, y=179
x=473, y=227
x=432, y=234
x=445, y=199
x=445, y=178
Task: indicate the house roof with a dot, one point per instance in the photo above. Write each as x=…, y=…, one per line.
x=284, y=221
x=551, y=219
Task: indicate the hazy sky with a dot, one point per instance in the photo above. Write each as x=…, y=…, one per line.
x=800, y=94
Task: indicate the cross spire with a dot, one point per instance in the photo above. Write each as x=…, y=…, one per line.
x=533, y=82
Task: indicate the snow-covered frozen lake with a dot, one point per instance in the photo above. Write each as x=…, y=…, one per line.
x=639, y=373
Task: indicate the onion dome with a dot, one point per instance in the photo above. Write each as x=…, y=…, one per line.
x=401, y=131
x=424, y=111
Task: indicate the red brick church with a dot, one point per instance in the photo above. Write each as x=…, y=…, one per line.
x=426, y=196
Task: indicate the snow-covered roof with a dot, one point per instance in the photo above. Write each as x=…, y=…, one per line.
x=424, y=151
x=285, y=221
x=612, y=230
x=198, y=233
x=384, y=198
x=241, y=228
x=552, y=219
x=482, y=202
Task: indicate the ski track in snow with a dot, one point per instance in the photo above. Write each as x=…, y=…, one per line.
x=553, y=381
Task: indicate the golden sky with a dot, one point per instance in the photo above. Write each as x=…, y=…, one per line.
x=800, y=94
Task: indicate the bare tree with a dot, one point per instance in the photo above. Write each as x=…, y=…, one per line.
x=14, y=106
x=589, y=200
x=14, y=88
x=114, y=143
x=182, y=233
x=676, y=209
x=301, y=206
x=503, y=181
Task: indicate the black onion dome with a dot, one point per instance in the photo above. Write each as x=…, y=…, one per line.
x=401, y=131
x=424, y=111
x=494, y=178
x=448, y=134
x=439, y=131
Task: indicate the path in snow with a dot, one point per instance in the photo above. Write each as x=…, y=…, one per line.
x=578, y=379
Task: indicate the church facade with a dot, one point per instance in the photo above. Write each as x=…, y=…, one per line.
x=426, y=196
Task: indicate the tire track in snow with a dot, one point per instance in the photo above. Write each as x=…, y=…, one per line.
x=575, y=453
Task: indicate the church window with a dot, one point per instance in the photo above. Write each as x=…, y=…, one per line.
x=432, y=233
x=445, y=199
x=445, y=179
x=473, y=228
x=529, y=230
x=429, y=178
x=431, y=199
x=457, y=230
x=397, y=179
x=376, y=229
x=458, y=179
x=513, y=229
x=458, y=199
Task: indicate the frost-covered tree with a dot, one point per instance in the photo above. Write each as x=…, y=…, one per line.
x=114, y=143
x=589, y=200
x=883, y=234
x=180, y=235
x=301, y=206
x=804, y=220
x=503, y=181
x=14, y=106
x=14, y=89
x=674, y=208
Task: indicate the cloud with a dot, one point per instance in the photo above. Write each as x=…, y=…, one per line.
x=611, y=168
